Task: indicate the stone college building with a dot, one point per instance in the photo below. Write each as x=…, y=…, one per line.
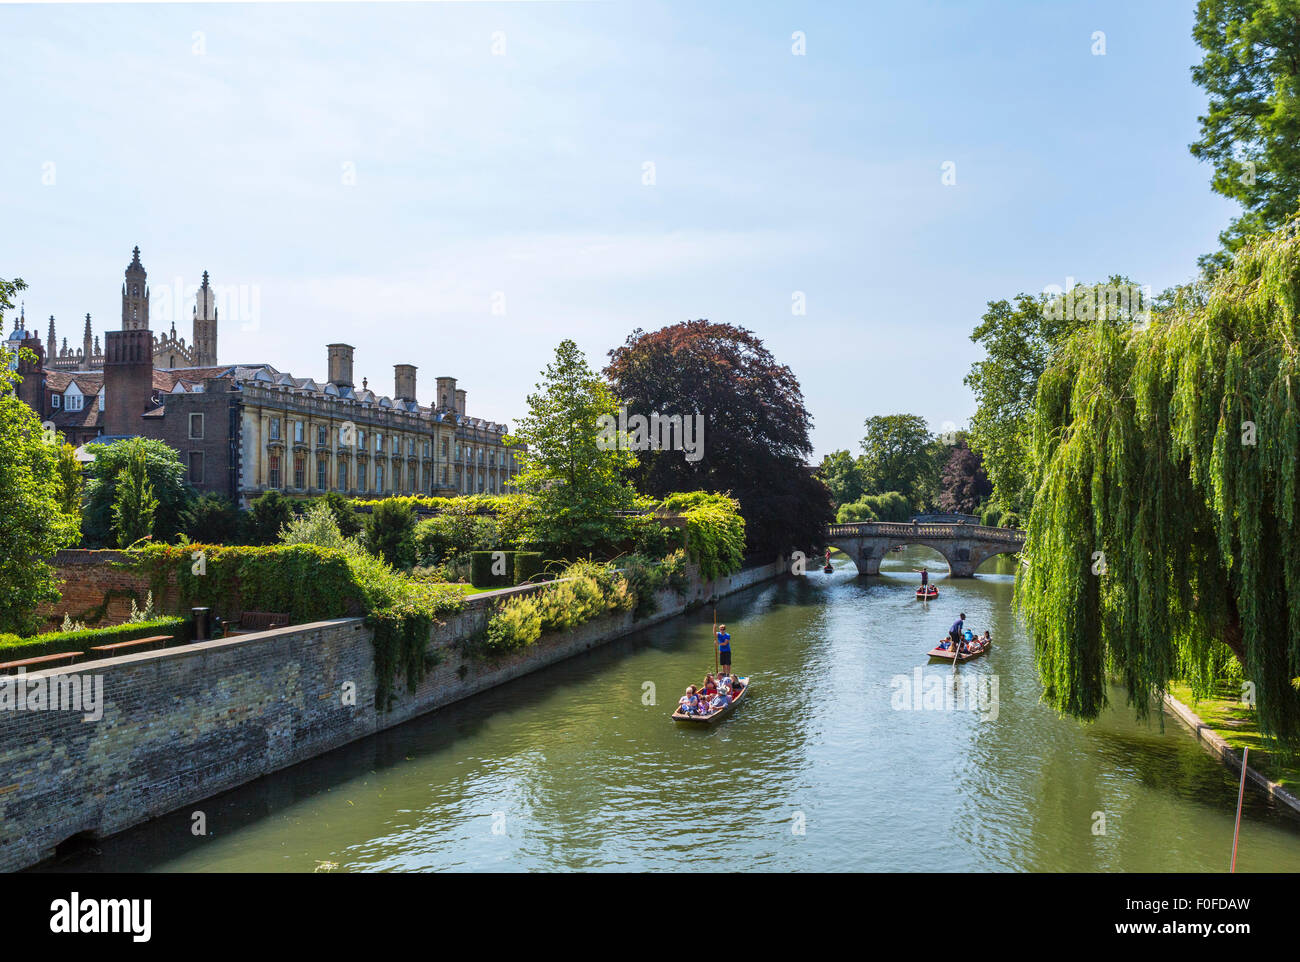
x=244, y=429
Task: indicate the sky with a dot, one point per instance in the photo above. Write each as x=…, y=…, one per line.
x=460, y=186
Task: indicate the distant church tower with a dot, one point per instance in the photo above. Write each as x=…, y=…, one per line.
x=135, y=296
x=204, y=342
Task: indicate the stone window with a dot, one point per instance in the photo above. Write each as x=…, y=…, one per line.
x=321, y=467
x=444, y=451
x=379, y=442
x=275, y=432
x=343, y=475
x=321, y=436
x=273, y=470
x=196, y=427
x=196, y=467
x=361, y=476
x=379, y=477
x=73, y=402
x=298, y=433
x=299, y=471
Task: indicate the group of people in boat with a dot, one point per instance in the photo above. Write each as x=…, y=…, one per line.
x=713, y=695
x=964, y=639
x=718, y=692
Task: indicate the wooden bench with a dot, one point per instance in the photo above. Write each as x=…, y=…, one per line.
x=49, y=661
x=124, y=646
x=251, y=621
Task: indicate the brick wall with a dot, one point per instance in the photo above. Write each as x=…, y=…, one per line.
x=183, y=724
x=90, y=581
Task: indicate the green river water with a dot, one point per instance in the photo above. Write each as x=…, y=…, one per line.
x=830, y=764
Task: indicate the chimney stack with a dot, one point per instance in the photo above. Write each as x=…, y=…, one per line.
x=404, y=382
x=460, y=403
x=128, y=380
x=340, y=364
x=446, y=399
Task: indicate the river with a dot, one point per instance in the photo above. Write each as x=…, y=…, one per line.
x=831, y=764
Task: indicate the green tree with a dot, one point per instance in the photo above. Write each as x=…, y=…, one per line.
x=71, y=481
x=842, y=474
x=1251, y=72
x=1167, y=492
x=166, y=477
x=33, y=524
x=211, y=519
x=267, y=516
x=134, y=504
x=345, y=516
x=896, y=455
x=576, y=481
x=754, y=442
x=390, y=533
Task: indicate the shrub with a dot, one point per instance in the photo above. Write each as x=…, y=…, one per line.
x=890, y=506
x=517, y=624
x=715, y=531
x=528, y=564
x=210, y=519
x=266, y=517
x=390, y=533
x=318, y=527
x=481, y=568
x=14, y=648
x=345, y=516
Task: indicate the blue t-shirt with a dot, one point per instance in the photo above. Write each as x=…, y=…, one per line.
x=724, y=641
x=956, y=625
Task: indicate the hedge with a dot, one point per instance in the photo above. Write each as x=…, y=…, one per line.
x=528, y=564
x=13, y=648
x=480, y=569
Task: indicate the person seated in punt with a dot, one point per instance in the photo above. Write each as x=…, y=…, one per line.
x=986, y=640
x=720, y=700
x=690, y=702
x=736, y=686
x=710, y=687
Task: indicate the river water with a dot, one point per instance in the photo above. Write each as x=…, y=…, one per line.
x=833, y=763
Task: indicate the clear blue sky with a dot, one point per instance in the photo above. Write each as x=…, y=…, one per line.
x=478, y=173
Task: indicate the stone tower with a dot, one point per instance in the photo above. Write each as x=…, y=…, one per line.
x=135, y=296
x=204, y=341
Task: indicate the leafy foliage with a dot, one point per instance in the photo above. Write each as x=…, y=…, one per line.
x=390, y=533
x=964, y=485
x=578, y=489
x=33, y=521
x=896, y=455
x=266, y=518
x=756, y=426
x=165, y=476
x=889, y=506
x=1251, y=72
x=843, y=476
x=134, y=505
x=14, y=648
x=715, y=530
x=1172, y=450
x=211, y=519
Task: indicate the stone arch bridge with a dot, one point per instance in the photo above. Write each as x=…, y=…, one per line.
x=964, y=546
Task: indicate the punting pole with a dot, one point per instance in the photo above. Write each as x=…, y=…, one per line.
x=715, y=641
x=1241, y=794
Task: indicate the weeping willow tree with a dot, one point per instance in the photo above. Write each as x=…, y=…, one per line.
x=1164, y=464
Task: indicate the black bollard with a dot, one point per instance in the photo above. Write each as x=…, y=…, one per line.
x=199, y=619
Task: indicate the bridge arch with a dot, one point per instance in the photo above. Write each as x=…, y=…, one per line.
x=964, y=546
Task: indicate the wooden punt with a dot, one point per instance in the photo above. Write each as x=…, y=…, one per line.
x=721, y=713
x=932, y=593
x=828, y=569
x=947, y=654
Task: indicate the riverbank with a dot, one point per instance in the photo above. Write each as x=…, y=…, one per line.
x=1233, y=728
x=178, y=726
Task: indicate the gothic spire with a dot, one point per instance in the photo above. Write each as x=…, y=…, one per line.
x=52, y=343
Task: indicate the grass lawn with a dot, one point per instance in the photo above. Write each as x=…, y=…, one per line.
x=1234, y=722
x=468, y=590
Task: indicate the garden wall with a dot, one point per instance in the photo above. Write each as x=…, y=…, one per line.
x=183, y=724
